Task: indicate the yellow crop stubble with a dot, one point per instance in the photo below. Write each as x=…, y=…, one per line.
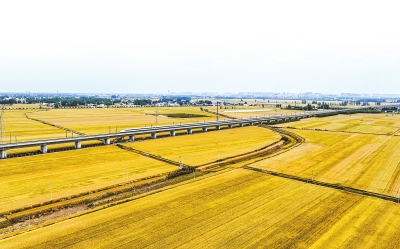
x=368, y=162
x=364, y=123
x=105, y=120
x=17, y=128
x=205, y=147
x=237, y=209
x=30, y=180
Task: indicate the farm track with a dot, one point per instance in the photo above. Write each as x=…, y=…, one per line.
x=325, y=184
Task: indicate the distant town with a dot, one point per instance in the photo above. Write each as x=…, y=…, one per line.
x=101, y=100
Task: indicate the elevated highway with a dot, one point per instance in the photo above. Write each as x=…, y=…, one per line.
x=172, y=129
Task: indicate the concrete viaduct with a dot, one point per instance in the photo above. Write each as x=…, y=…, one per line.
x=152, y=131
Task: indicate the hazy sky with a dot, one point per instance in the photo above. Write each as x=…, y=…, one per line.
x=225, y=46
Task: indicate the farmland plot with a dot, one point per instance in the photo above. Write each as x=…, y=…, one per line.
x=31, y=180
x=206, y=147
x=363, y=123
x=105, y=120
x=367, y=162
x=17, y=128
x=238, y=209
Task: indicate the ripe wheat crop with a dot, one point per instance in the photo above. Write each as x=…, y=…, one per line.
x=30, y=180
x=363, y=161
x=206, y=147
x=237, y=209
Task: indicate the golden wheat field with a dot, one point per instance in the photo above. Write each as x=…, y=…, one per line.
x=363, y=123
x=363, y=161
x=105, y=120
x=17, y=127
x=237, y=209
x=89, y=121
x=258, y=111
x=29, y=180
x=206, y=147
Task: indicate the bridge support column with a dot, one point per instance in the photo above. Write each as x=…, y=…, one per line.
x=189, y=131
x=131, y=138
x=251, y=123
x=204, y=129
x=78, y=144
x=43, y=148
x=230, y=126
x=3, y=154
x=107, y=141
x=153, y=135
x=241, y=124
x=172, y=133
x=218, y=127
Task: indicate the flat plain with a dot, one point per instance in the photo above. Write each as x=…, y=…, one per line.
x=105, y=120
x=237, y=209
x=231, y=208
x=17, y=127
x=364, y=161
x=205, y=147
x=30, y=180
x=89, y=121
x=363, y=123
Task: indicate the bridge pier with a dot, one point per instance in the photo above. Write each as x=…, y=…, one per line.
x=241, y=124
x=3, y=154
x=107, y=141
x=43, y=148
x=230, y=126
x=204, y=129
x=172, y=133
x=189, y=131
x=218, y=127
x=78, y=144
x=153, y=135
x=131, y=138
x=251, y=123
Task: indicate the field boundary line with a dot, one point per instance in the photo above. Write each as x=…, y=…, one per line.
x=53, y=125
x=325, y=184
x=147, y=154
x=350, y=132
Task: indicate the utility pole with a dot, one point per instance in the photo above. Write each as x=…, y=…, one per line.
x=156, y=114
x=217, y=110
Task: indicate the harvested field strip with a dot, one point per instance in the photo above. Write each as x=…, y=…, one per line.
x=237, y=209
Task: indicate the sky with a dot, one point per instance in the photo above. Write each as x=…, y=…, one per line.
x=200, y=46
